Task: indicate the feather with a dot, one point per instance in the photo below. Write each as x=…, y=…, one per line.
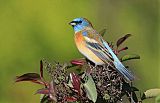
x=102, y=50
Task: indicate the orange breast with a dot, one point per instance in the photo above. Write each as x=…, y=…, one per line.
x=81, y=45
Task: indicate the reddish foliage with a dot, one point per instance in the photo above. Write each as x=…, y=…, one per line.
x=75, y=79
x=121, y=40
x=41, y=69
x=32, y=77
x=70, y=99
x=43, y=91
x=77, y=62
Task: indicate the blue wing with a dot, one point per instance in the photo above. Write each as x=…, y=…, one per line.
x=120, y=67
x=102, y=50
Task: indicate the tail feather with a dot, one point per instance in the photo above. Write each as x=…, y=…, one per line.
x=119, y=66
x=126, y=73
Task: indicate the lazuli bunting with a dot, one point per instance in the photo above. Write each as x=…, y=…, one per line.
x=91, y=44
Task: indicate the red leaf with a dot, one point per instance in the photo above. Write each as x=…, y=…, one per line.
x=43, y=91
x=79, y=62
x=70, y=99
x=28, y=77
x=125, y=48
x=52, y=92
x=75, y=82
x=51, y=88
x=121, y=40
x=41, y=69
x=38, y=82
x=33, y=77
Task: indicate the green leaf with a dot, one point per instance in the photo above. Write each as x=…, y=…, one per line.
x=44, y=99
x=69, y=83
x=90, y=88
x=129, y=57
x=102, y=32
x=158, y=99
x=151, y=93
x=134, y=89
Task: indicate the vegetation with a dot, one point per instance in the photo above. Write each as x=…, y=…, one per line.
x=80, y=81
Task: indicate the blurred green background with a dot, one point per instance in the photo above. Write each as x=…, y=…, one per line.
x=34, y=29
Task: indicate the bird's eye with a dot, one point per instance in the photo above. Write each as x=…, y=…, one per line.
x=79, y=22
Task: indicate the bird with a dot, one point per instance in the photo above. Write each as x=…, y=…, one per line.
x=92, y=45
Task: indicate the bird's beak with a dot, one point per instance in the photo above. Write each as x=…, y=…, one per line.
x=72, y=23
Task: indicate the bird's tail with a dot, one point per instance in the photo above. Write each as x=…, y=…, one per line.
x=126, y=73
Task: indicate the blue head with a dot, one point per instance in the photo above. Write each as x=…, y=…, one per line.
x=79, y=24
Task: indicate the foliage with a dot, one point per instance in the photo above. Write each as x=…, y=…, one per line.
x=151, y=93
x=88, y=84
